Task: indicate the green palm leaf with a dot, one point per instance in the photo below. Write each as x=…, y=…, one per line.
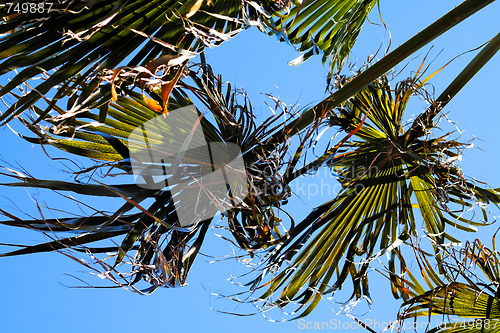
x=159, y=250
x=321, y=26
x=76, y=41
x=474, y=298
x=385, y=179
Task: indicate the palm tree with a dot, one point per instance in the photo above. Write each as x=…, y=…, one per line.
x=108, y=67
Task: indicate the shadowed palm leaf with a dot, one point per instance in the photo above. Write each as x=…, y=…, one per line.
x=77, y=40
x=160, y=250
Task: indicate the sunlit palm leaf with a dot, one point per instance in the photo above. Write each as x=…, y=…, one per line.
x=385, y=180
x=473, y=298
x=321, y=26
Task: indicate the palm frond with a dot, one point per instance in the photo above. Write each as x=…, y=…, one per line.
x=372, y=73
x=319, y=26
x=76, y=41
x=159, y=249
x=464, y=294
x=385, y=181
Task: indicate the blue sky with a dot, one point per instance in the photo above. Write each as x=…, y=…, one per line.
x=34, y=288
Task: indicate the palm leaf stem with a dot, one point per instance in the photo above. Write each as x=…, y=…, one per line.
x=423, y=121
x=436, y=29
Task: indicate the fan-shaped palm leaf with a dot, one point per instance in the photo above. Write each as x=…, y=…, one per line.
x=320, y=26
x=385, y=180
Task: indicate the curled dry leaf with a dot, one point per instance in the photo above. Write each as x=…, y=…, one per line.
x=194, y=9
x=167, y=61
